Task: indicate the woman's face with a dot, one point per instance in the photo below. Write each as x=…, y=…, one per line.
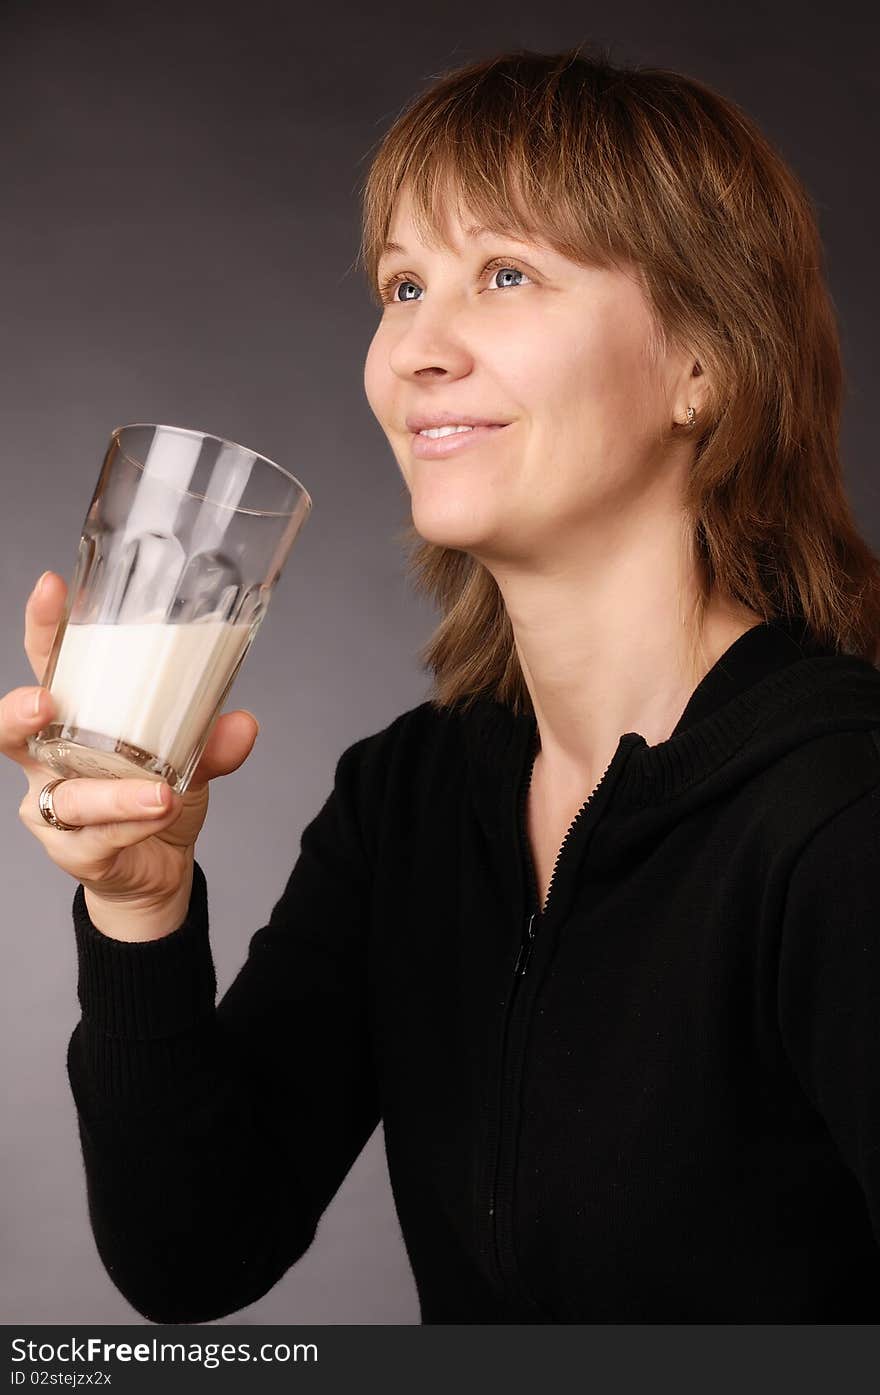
x=555, y=353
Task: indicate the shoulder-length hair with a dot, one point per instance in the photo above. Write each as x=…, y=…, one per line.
x=637, y=166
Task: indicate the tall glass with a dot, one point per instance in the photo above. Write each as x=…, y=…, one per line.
x=181, y=548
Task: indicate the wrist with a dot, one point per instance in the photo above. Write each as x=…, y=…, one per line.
x=120, y=920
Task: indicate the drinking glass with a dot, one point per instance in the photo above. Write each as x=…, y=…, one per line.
x=181, y=549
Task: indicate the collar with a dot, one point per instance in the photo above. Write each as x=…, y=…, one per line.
x=764, y=649
x=773, y=664
x=774, y=688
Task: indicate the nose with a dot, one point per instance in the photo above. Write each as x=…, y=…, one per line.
x=430, y=344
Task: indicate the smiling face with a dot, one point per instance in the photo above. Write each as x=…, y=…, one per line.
x=514, y=333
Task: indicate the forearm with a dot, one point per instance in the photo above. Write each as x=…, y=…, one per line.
x=193, y=1207
x=213, y=1137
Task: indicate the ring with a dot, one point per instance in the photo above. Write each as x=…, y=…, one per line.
x=47, y=808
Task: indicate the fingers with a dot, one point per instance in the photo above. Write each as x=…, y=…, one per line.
x=19, y=719
x=24, y=711
x=231, y=740
x=42, y=613
x=96, y=803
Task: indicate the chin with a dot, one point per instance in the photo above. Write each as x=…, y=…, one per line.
x=447, y=526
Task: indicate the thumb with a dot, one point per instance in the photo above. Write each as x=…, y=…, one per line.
x=243, y=712
x=229, y=745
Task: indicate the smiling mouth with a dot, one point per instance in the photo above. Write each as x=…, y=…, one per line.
x=436, y=433
x=451, y=441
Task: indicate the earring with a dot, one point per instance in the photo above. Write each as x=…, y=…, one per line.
x=691, y=416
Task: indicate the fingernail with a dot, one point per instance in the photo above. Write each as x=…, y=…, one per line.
x=39, y=586
x=152, y=798
x=29, y=705
x=252, y=714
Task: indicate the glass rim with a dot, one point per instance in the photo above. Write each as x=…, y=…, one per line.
x=116, y=433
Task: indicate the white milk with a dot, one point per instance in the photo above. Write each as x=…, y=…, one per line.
x=152, y=685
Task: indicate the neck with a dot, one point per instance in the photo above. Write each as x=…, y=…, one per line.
x=606, y=639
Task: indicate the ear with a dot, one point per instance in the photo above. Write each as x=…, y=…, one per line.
x=691, y=392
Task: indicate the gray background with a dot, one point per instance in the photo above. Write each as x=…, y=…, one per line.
x=179, y=221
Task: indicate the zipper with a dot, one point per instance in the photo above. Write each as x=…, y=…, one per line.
x=502, y=1137
x=571, y=828
x=524, y=952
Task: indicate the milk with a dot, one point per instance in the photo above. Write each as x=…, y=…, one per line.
x=152, y=685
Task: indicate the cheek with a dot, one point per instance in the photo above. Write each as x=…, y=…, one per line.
x=561, y=368
x=591, y=404
x=376, y=377
x=594, y=369
x=578, y=388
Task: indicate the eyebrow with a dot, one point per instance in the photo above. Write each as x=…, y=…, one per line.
x=475, y=230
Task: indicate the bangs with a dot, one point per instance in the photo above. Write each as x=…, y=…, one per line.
x=535, y=169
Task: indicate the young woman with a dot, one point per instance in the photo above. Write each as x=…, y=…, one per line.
x=592, y=930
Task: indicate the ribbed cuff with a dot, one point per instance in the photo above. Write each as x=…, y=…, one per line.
x=149, y=990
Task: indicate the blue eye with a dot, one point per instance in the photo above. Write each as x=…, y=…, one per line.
x=388, y=288
x=516, y=271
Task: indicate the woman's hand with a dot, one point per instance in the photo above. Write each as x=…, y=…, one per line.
x=134, y=855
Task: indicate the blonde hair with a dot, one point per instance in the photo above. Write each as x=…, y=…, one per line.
x=644, y=166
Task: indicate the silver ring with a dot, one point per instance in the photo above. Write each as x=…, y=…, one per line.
x=47, y=808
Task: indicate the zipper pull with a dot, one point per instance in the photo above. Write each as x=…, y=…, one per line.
x=525, y=948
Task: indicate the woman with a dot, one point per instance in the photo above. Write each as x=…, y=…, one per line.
x=593, y=929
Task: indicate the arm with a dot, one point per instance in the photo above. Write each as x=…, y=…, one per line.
x=829, y=984
x=214, y=1138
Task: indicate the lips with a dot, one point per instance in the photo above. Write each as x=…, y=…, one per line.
x=425, y=421
x=438, y=447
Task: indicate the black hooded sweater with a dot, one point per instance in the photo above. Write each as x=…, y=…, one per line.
x=656, y=1100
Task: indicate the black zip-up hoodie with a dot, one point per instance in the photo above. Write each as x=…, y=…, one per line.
x=656, y=1100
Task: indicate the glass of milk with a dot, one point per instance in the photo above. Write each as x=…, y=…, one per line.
x=182, y=545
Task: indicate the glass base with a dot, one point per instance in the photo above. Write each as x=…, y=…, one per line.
x=71, y=751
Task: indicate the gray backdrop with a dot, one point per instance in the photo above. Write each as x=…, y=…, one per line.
x=179, y=222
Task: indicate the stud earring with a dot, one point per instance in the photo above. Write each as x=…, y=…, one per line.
x=691, y=416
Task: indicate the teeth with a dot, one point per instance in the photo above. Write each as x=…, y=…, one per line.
x=435, y=431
